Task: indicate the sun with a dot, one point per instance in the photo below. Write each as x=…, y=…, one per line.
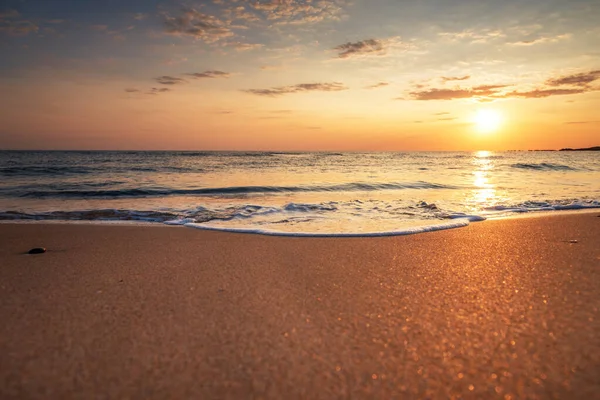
x=487, y=120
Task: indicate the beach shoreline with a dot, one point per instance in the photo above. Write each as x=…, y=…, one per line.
x=507, y=307
x=401, y=232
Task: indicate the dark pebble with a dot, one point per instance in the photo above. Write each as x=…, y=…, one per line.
x=37, y=250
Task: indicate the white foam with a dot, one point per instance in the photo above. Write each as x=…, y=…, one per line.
x=457, y=223
x=180, y=221
x=471, y=218
x=541, y=206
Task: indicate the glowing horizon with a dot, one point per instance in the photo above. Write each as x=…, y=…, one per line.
x=299, y=75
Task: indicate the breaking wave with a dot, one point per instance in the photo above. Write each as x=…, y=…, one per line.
x=544, y=167
x=232, y=190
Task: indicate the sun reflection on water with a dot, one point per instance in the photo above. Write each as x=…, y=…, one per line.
x=484, y=192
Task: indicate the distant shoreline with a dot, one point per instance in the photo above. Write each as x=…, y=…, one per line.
x=595, y=148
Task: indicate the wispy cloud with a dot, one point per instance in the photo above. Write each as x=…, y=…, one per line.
x=474, y=36
x=131, y=90
x=580, y=122
x=541, y=40
x=209, y=74
x=99, y=28
x=541, y=93
x=200, y=26
x=298, y=12
x=12, y=24
x=229, y=16
x=371, y=47
x=272, y=67
x=581, y=79
x=455, y=78
x=170, y=80
x=377, y=85
x=154, y=91
x=303, y=87
x=240, y=46
x=559, y=86
x=364, y=47
x=451, y=94
x=9, y=14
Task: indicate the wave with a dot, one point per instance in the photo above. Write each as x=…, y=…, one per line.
x=346, y=219
x=173, y=217
x=33, y=170
x=232, y=190
x=91, y=215
x=543, y=167
x=30, y=170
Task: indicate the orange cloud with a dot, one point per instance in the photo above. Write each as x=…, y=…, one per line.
x=302, y=87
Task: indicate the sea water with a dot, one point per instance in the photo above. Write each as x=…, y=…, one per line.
x=295, y=193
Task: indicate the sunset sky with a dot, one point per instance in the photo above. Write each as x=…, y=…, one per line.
x=300, y=74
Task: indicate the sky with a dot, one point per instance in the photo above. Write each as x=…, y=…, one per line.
x=354, y=75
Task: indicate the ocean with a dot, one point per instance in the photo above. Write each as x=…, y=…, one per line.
x=295, y=193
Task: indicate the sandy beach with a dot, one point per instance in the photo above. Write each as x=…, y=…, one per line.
x=502, y=309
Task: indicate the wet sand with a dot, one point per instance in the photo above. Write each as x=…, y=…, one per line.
x=500, y=309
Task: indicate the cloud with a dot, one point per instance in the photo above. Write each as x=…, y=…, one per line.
x=451, y=94
x=298, y=12
x=272, y=67
x=442, y=113
x=154, y=91
x=473, y=36
x=455, y=78
x=580, y=122
x=377, y=85
x=9, y=14
x=131, y=90
x=140, y=16
x=303, y=87
x=371, y=47
x=169, y=80
x=446, y=119
x=364, y=47
x=198, y=25
x=99, y=28
x=541, y=93
x=12, y=25
x=582, y=79
x=240, y=13
x=210, y=74
x=541, y=40
x=491, y=92
x=175, y=61
x=239, y=46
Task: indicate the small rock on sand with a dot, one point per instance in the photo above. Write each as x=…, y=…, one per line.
x=37, y=250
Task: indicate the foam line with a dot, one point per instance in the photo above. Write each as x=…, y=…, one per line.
x=458, y=223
